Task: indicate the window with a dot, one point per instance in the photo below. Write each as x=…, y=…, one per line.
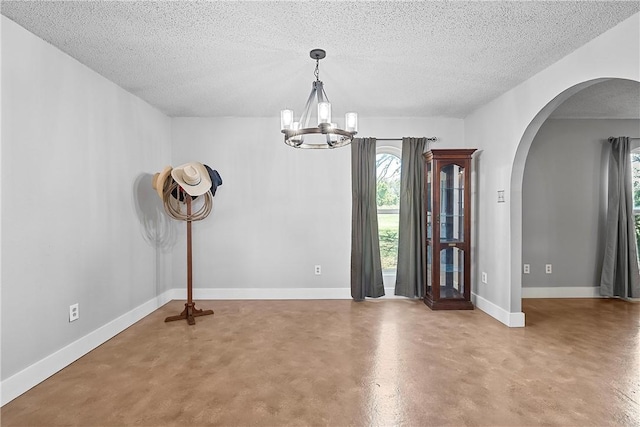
x=388, y=202
x=635, y=174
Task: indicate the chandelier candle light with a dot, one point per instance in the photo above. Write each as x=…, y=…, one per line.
x=298, y=134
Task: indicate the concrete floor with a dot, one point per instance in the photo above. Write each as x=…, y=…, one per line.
x=339, y=363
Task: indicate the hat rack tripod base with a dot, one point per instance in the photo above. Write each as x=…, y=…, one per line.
x=190, y=311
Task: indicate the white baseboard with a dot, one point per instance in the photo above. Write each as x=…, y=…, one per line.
x=31, y=376
x=512, y=320
x=562, y=292
x=273, y=293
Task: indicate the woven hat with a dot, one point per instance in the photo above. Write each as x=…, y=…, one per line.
x=193, y=178
x=159, y=179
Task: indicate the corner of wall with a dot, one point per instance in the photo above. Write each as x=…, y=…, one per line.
x=512, y=320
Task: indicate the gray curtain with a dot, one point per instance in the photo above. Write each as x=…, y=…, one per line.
x=411, y=235
x=366, y=267
x=620, y=276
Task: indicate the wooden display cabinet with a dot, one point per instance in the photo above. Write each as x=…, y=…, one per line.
x=448, y=208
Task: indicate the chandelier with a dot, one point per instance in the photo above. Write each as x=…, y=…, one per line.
x=298, y=134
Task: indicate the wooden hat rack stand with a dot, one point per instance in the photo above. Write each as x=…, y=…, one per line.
x=174, y=199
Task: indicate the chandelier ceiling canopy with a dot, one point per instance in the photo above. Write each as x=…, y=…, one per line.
x=326, y=134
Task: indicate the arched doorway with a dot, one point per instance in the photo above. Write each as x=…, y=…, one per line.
x=516, y=211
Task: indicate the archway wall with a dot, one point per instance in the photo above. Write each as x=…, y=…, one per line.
x=502, y=131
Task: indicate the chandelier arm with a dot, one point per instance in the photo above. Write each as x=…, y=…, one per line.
x=304, y=119
x=324, y=94
x=320, y=91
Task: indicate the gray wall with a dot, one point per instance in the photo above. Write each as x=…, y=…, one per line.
x=79, y=216
x=280, y=211
x=564, y=200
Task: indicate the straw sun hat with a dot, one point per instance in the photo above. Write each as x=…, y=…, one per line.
x=159, y=179
x=193, y=177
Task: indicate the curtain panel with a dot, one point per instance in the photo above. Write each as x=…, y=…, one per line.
x=366, y=266
x=620, y=276
x=410, y=275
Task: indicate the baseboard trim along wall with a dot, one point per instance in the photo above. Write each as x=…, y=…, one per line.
x=33, y=375
x=512, y=320
x=264, y=293
x=274, y=293
x=562, y=292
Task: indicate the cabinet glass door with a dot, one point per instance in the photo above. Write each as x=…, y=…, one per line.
x=452, y=231
x=452, y=203
x=452, y=273
x=429, y=204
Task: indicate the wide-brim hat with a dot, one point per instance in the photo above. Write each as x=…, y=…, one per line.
x=159, y=179
x=193, y=177
x=216, y=180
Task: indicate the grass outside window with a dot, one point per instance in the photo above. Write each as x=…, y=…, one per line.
x=388, y=233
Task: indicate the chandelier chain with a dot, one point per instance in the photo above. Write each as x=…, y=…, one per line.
x=317, y=70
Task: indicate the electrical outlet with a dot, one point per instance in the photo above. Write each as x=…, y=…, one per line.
x=74, y=312
x=547, y=268
x=484, y=277
x=318, y=270
x=527, y=269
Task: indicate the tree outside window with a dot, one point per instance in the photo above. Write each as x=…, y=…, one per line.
x=635, y=170
x=388, y=202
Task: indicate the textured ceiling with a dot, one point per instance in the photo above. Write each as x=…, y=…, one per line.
x=614, y=99
x=383, y=58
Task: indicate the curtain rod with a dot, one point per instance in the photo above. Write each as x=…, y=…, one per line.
x=431, y=138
